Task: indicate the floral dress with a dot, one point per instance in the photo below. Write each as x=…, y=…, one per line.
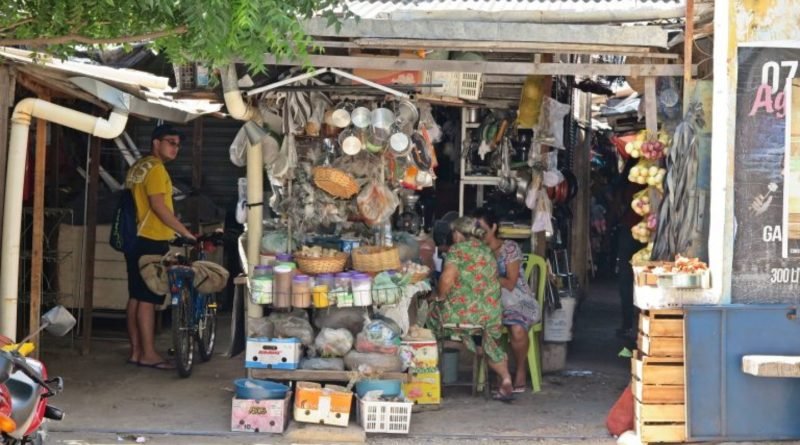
x=519, y=305
x=473, y=299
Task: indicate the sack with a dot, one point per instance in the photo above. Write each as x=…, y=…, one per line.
x=124, y=229
x=333, y=342
x=209, y=277
x=621, y=416
x=154, y=274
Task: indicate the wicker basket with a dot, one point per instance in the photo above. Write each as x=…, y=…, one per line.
x=376, y=259
x=331, y=264
x=417, y=277
x=336, y=182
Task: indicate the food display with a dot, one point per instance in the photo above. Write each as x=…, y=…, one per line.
x=641, y=204
x=646, y=147
x=317, y=252
x=641, y=232
x=646, y=173
x=685, y=265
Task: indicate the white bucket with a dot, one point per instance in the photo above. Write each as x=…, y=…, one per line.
x=558, y=323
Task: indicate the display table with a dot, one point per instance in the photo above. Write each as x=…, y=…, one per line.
x=316, y=376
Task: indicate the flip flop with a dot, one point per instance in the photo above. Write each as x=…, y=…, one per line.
x=131, y=362
x=161, y=366
x=508, y=398
x=520, y=389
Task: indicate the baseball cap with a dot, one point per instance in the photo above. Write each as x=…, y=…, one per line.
x=165, y=130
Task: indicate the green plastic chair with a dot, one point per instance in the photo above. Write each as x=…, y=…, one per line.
x=529, y=262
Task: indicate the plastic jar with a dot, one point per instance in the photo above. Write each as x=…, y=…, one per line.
x=282, y=289
x=301, y=291
x=361, y=284
x=283, y=258
x=261, y=285
x=324, y=279
x=319, y=294
x=341, y=293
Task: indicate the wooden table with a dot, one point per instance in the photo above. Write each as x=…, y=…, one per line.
x=316, y=376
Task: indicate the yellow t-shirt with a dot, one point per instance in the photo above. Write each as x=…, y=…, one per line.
x=145, y=178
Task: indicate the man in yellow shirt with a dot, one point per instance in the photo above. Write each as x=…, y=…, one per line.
x=151, y=187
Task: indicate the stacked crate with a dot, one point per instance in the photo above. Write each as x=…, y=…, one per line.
x=658, y=377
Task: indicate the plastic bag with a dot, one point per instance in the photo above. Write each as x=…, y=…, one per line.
x=376, y=203
x=293, y=326
x=364, y=344
x=350, y=318
x=551, y=123
x=333, y=342
x=426, y=120
x=373, y=361
x=238, y=148
x=323, y=364
x=260, y=327
x=382, y=331
x=542, y=222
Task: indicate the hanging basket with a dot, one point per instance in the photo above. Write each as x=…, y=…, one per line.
x=336, y=182
x=376, y=259
x=314, y=266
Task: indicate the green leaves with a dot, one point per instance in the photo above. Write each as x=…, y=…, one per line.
x=214, y=32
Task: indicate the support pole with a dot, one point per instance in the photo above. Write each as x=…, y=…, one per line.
x=650, y=102
x=7, y=88
x=89, y=242
x=197, y=172
x=688, y=46
x=37, y=250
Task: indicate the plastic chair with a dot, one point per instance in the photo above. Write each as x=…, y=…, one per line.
x=530, y=262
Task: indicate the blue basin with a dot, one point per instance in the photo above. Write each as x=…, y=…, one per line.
x=259, y=389
x=390, y=388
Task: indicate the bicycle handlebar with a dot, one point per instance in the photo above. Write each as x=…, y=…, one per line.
x=214, y=238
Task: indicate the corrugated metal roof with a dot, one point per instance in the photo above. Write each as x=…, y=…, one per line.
x=393, y=8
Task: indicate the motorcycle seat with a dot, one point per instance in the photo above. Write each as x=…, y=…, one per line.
x=24, y=394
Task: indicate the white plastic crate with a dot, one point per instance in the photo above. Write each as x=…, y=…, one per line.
x=461, y=85
x=652, y=297
x=384, y=417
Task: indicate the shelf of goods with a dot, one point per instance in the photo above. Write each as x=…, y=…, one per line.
x=658, y=377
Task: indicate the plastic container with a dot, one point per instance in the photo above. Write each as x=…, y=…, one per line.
x=254, y=389
x=390, y=388
x=324, y=279
x=341, y=294
x=449, y=366
x=301, y=291
x=319, y=295
x=361, y=284
x=377, y=416
x=261, y=285
x=283, y=257
x=558, y=323
x=282, y=289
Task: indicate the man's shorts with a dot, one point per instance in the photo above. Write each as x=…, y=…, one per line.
x=137, y=289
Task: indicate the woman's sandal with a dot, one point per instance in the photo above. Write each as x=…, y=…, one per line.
x=505, y=398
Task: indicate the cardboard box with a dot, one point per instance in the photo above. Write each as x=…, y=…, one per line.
x=273, y=353
x=389, y=77
x=328, y=406
x=424, y=388
x=260, y=416
x=425, y=353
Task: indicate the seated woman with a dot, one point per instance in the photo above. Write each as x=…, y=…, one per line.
x=469, y=293
x=520, y=308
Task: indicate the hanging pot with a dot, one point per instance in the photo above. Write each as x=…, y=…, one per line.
x=340, y=117
x=360, y=117
x=381, y=122
x=399, y=143
x=350, y=142
x=407, y=114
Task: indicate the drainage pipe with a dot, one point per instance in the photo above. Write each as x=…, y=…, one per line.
x=26, y=110
x=255, y=174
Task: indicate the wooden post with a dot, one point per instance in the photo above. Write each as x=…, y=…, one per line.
x=688, y=47
x=37, y=257
x=579, y=248
x=89, y=242
x=650, y=102
x=7, y=88
x=197, y=172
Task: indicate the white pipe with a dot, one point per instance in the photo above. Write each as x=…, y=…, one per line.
x=255, y=175
x=24, y=111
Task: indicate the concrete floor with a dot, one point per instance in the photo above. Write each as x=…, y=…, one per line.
x=108, y=401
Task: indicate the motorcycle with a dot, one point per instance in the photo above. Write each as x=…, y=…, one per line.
x=25, y=386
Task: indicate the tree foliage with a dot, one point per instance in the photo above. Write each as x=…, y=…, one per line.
x=215, y=32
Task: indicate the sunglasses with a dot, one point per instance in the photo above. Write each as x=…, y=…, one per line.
x=172, y=142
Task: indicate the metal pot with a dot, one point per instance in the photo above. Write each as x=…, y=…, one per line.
x=399, y=143
x=473, y=114
x=507, y=184
x=349, y=141
x=407, y=114
x=522, y=189
x=360, y=117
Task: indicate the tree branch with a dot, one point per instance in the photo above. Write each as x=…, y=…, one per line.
x=75, y=38
x=17, y=24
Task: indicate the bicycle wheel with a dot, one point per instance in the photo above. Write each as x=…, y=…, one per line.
x=182, y=338
x=207, y=327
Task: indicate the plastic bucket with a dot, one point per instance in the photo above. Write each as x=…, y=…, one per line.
x=449, y=366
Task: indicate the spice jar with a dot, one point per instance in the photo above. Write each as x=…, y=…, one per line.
x=301, y=291
x=282, y=287
x=341, y=294
x=283, y=258
x=324, y=279
x=261, y=285
x=361, y=284
x=319, y=294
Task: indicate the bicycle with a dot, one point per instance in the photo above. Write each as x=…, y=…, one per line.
x=194, y=314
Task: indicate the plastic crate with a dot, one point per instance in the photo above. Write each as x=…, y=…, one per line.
x=461, y=85
x=385, y=417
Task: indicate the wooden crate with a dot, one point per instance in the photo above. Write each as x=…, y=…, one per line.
x=661, y=346
x=657, y=393
x=657, y=370
x=661, y=323
x=660, y=413
x=660, y=432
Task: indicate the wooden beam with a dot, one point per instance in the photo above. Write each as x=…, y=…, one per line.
x=7, y=89
x=37, y=250
x=650, y=102
x=468, y=45
x=59, y=85
x=688, y=46
x=89, y=243
x=197, y=172
x=588, y=34
x=485, y=67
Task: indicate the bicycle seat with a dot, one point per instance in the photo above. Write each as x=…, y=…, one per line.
x=24, y=393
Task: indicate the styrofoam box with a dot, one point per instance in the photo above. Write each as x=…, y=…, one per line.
x=260, y=416
x=328, y=406
x=273, y=353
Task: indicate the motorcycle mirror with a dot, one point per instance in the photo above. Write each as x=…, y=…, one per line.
x=58, y=321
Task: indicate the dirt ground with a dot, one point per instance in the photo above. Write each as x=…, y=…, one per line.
x=110, y=402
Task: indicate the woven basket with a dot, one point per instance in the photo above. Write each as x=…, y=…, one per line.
x=320, y=265
x=336, y=182
x=376, y=259
x=417, y=277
